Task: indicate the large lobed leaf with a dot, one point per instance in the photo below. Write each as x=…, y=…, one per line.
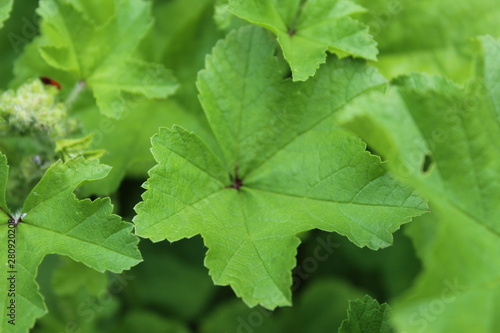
x=286, y=168
x=55, y=221
x=93, y=41
x=444, y=140
x=307, y=29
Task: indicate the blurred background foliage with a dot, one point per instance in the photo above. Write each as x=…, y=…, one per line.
x=171, y=290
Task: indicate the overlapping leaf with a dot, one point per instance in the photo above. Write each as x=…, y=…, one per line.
x=402, y=30
x=147, y=321
x=127, y=139
x=93, y=42
x=287, y=168
x=56, y=222
x=444, y=140
x=366, y=315
x=307, y=29
x=69, y=290
x=180, y=44
x=166, y=278
x=15, y=33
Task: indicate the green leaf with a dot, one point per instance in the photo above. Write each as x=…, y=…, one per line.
x=329, y=295
x=127, y=140
x=53, y=220
x=34, y=108
x=72, y=148
x=182, y=44
x=444, y=140
x=224, y=19
x=147, y=321
x=306, y=30
x=30, y=64
x=169, y=40
x=5, y=8
x=235, y=316
x=166, y=278
x=4, y=173
x=95, y=45
x=366, y=315
x=271, y=131
x=71, y=305
x=71, y=276
x=488, y=69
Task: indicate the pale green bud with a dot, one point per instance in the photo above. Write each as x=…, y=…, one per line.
x=33, y=107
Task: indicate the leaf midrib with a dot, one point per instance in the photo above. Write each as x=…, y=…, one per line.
x=101, y=246
x=256, y=250
x=296, y=136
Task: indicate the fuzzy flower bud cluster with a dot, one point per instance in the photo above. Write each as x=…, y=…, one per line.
x=33, y=108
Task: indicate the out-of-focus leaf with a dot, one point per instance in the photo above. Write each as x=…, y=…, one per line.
x=430, y=36
x=246, y=206
x=171, y=279
x=71, y=276
x=320, y=308
x=93, y=46
x=144, y=321
x=444, y=140
x=5, y=8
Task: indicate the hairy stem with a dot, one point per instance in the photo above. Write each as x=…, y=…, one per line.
x=77, y=89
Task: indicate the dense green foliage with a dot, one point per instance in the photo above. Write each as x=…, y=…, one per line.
x=281, y=146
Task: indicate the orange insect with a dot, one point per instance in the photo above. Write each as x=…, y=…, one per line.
x=52, y=82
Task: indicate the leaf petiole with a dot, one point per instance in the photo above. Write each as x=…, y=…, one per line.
x=77, y=89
